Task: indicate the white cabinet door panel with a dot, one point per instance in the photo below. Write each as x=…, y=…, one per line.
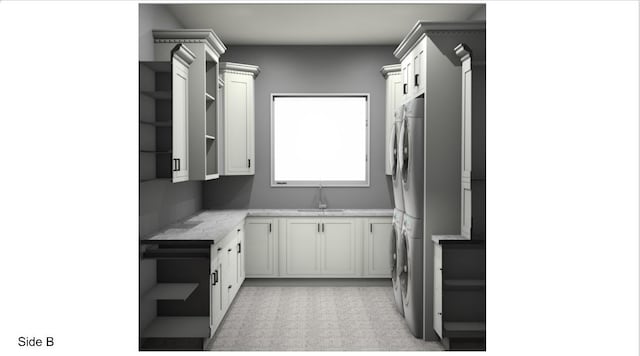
x=261, y=247
x=338, y=247
x=302, y=253
x=377, y=249
x=180, y=115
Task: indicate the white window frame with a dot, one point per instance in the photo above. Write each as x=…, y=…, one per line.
x=281, y=184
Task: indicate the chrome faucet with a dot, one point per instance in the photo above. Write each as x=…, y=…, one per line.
x=321, y=205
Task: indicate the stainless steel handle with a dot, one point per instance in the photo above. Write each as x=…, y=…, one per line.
x=269, y=227
x=415, y=80
x=370, y=227
x=318, y=227
x=249, y=162
x=404, y=88
x=322, y=227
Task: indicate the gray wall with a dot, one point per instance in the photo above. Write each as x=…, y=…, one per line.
x=480, y=14
x=152, y=17
x=309, y=69
x=161, y=202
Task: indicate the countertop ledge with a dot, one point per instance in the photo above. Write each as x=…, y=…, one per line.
x=214, y=225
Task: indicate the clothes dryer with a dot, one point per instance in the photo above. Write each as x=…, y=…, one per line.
x=412, y=272
x=396, y=260
x=396, y=158
x=412, y=162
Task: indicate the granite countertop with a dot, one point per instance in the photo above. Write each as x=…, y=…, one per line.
x=214, y=225
x=319, y=212
x=209, y=225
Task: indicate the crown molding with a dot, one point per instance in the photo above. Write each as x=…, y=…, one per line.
x=427, y=27
x=183, y=54
x=390, y=69
x=239, y=68
x=190, y=36
x=462, y=52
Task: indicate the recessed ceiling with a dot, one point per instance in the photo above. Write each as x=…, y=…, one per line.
x=315, y=24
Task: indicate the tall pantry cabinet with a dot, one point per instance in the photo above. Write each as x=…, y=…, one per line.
x=432, y=70
x=203, y=95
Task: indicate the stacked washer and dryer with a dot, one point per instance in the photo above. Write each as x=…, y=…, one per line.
x=407, y=227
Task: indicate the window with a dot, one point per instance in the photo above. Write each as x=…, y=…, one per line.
x=319, y=139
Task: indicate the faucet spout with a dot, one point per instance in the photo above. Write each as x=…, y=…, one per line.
x=321, y=205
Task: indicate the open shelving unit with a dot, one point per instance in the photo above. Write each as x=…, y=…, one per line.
x=155, y=121
x=180, y=295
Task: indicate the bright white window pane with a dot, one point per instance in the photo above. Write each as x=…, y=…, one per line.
x=320, y=138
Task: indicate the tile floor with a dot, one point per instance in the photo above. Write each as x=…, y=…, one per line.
x=316, y=319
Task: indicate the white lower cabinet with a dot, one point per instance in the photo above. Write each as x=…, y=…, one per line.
x=217, y=310
x=338, y=247
x=300, y=248
x=319, y=247
x=437, y=289
x=227, y=273
x=261, y=247
x=377, y=248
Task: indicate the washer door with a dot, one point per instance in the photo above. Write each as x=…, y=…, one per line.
x=394, y=152
x=394, y=254
x=404, y=258
x=404, y=133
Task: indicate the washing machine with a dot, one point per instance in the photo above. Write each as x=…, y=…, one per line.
x=396, y=158
x=411, y=274
x=412, y=162
x=396, y=260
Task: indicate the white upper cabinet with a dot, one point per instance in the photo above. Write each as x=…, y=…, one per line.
x=180, y=61
x=202, y=94
x=393, y=75
x=238, y=118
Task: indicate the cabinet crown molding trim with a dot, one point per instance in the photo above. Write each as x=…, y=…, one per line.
x=462, y=52
x=184, y=55
x=390, y=70
x=427, y=27
x=240, y=68
x=190, y=36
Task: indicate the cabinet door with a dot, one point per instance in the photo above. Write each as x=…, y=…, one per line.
x=215, y=298
x=180, y=120
x=466, y=148
x=231, y=283
x=377, y=248
x=419, y=58
x=238, y=124
x=260, y=248
x=394, y=99
x=437, y=289
x=405, y=79
x=240, y=249
x=338, y=247
x=301, y=247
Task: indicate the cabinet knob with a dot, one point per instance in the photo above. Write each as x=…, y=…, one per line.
x=405, y=268
x=394, y=257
